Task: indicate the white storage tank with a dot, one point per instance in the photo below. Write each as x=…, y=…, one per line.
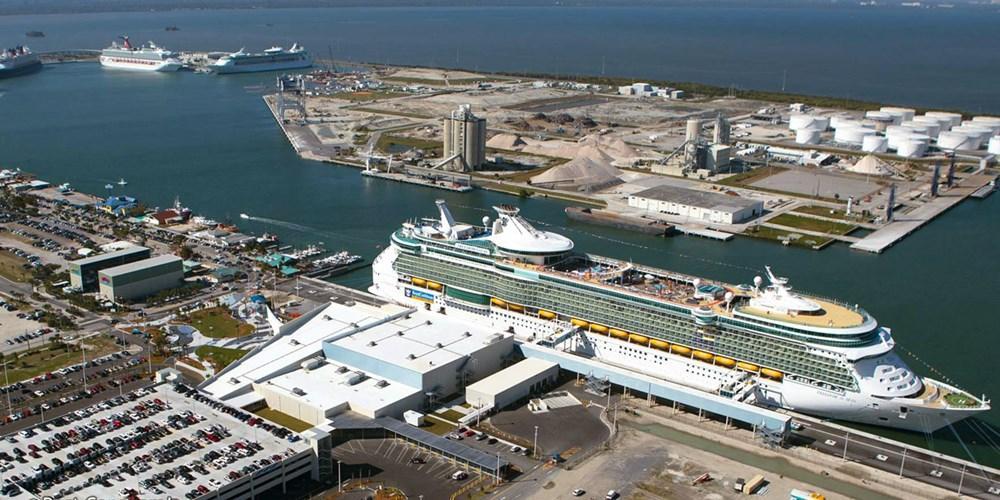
x=942, y=122
x=799, y=122
x=807, y=136
x=838, y=121
x=895, y=141
x=993, y=126
x=926, y=128
x=951, y=141
x=994, y=146
x=982, y=133
x=905, y=113
x=954, y=118
x=852, y=135
x=912, y=149
x=822, y=122
x=991, y=120
x=881, y=119
x=874, y=144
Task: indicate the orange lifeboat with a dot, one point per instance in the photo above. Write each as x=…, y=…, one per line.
x=418, y=281
x=498, y=302
x=515, y=308
x=724, y=361
x=638, y=339
x=579, y=323
x=659, y=344
x=546, y=314
x=702, y=355
x=598, y=328
x=773, y=374
x=618, y=334
x=434, y=285
x=679, y=349
x=750, y=367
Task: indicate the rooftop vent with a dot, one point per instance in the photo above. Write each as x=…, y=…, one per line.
x=293, y=341
x=439, y=345
x=428, y=323
x=298, y=392
x=411, y=356
x=467, y=334
x=234, y=380
x=327, y=317
x=400, y=333
x=341, y=369
x=381, y=383
x=372, y=343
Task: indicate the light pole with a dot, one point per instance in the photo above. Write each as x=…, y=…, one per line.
x=534, y=446
x=10, y=407
x=340, y=483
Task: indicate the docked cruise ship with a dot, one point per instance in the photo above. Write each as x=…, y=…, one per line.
x=272, y=59
x=148, y=57
x=759, y=343
x=18, y=61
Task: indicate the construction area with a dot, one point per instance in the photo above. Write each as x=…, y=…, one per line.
x=820, y=176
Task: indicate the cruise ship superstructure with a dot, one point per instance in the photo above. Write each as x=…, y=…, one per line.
x=148, y=57
x=18, y=61
x=759, y=343
x=272, y=59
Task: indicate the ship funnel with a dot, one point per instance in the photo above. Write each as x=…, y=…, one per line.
x=447, y=221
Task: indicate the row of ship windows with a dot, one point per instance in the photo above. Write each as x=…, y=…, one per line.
x=766, y=350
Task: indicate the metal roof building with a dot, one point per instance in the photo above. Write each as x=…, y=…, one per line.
x=703, y=206
x=83, y=272
x=141, y=278
x=512, y=384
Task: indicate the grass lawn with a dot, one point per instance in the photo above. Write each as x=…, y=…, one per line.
x=367, y=95
x=767, y=233
x=831, y=213
x=811, y=224
x=386, y=141
x=283, y=420
x=220, y=357
x=12, y=267
x=44, y=358
x=218, y=324
x=437, y=426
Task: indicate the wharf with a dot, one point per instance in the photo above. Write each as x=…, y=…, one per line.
x=418, y=181
x=303, y=141
x=904, y=224
x=704, y=232
x=612, y=219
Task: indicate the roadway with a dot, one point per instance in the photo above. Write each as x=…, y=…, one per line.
x=909, y=462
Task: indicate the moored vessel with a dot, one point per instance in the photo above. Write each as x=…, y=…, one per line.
x=148, y=57
x=272, y=59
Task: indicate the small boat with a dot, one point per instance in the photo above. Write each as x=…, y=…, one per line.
x=109, y=186
x=122, y=182
x=244, y=216
x=35, y=34
x=65, y=188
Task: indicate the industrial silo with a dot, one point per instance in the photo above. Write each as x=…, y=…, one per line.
x=874, y=144
x=807, y=135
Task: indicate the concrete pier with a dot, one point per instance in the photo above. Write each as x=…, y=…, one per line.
x=904, y=224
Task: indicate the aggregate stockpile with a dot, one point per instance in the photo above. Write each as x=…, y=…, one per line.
x=592, y=160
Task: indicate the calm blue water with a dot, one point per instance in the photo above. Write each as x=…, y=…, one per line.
x=211, y=141
x=940, y=57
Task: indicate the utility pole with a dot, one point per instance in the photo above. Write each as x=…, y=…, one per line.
x=847, y=437
x=902, y=463
x=10, y=408
x=340, y=482
x=534, y=446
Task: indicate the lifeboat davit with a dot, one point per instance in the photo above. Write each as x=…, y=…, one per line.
x=433, y=285
x=702, y=355
x=418, y=281
x=618, y=334
x=769, y=373
x=724, y=361
x=579, y=323
x=546, y=314
x=638, y=339
x=497, y=302
x=659, y=344
x=750, y=367
x=598, y=328
x=679, y=349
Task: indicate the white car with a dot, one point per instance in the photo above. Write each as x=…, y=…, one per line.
x=578, y=492
x=994, y=490
x=881, y=458
x=515, y=449
x=936, y=473
x=830, y=442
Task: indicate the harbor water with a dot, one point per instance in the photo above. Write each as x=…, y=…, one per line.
x=913, y=56
x=211, y=141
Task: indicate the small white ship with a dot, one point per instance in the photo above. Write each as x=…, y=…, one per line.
x=272, y=59
x=148, y=57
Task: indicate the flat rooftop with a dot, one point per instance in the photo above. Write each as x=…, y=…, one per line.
x=422, y=341
x=140, y=265
x=334, y=385
x=109, y=255
x=175, y=403
x=696, y=198
x=297, y=341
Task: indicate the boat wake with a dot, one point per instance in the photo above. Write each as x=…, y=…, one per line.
x=285, y=224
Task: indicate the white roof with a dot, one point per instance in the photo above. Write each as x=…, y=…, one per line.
x=428, y=341
x=512, y=232
x=298, y=341
x=512, y=376
x=328, y=387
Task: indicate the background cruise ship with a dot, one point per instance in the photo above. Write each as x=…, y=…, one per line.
x=18, y=61
x=761, y=344
x=272, y=59
x=149, y=57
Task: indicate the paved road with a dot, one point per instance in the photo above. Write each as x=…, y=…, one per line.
x=914, y=464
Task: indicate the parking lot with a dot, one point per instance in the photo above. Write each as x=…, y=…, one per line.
x=150, y=442
x=395, y=463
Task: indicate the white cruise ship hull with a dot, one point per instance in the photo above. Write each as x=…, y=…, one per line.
x=231, y=68
x=789, y=394
x=164, y=66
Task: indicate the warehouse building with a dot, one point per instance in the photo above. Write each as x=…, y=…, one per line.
x=512, y=384
x=142, y=278
x=701, y=206
x=83, y=272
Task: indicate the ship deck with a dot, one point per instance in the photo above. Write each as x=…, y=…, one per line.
x=831, y=316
